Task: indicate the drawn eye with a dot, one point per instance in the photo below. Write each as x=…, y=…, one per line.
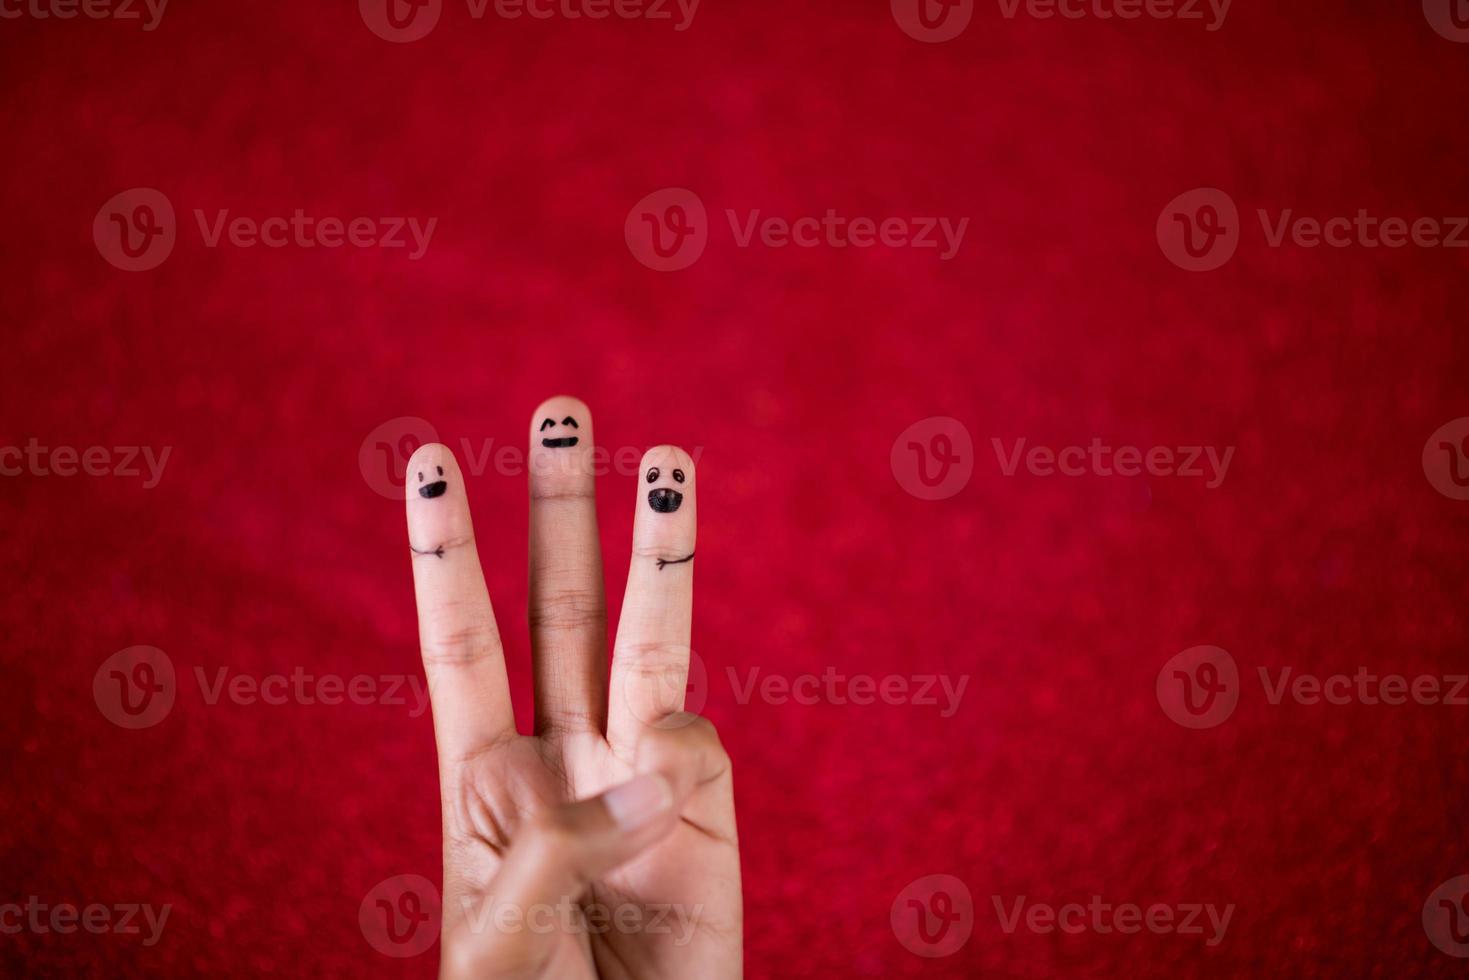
x=546, y=424
x=653, y=474
x=675, y=473
x=570, y=421
x=420, y=476
x=678, y=475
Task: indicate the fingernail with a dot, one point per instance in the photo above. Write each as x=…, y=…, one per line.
x=638, y=801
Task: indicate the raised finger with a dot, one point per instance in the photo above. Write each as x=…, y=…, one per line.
x=462, y=655
x=568, y=604
x=650, y=662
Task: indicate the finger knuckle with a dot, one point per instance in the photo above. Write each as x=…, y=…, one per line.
x=568, y=610
x=706, y=736
x=652, y=655
x=459, y=644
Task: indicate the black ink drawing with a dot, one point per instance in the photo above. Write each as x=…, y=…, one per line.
x=664, y=500
x=562, y=442
x=438, y=552
x=674, y=561
x=435, y=489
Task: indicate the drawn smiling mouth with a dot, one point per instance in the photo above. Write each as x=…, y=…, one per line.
x=562, y=443
x=664, y=500
x=434, y=489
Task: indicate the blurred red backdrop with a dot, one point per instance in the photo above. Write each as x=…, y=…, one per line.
x=264, y=549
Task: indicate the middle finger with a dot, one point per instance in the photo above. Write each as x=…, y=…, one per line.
x=568, y=605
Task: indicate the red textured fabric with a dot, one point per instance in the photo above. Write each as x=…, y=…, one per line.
x=263, y=549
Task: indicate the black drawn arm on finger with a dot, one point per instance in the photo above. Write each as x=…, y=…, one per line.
x=438, y=552
x=674, y=561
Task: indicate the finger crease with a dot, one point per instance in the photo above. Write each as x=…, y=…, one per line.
x=438, y=552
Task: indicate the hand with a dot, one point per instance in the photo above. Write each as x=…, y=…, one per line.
x=604, y=845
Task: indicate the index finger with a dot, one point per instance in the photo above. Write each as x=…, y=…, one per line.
x=462, y=655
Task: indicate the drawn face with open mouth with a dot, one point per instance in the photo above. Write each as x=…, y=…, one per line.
x=664, y=500
x=435, y=489
x=558, y=442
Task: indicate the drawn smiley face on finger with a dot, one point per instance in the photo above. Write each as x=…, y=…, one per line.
x=434, y=489
x=554, y=441
x=665, y=499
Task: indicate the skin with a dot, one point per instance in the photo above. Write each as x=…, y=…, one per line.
x=564, y=850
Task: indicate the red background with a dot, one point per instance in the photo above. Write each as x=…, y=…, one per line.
x=263, y=548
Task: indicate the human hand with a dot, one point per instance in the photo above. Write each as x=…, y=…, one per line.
x=604, y=845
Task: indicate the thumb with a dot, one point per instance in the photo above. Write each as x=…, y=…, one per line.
x=555, y=855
